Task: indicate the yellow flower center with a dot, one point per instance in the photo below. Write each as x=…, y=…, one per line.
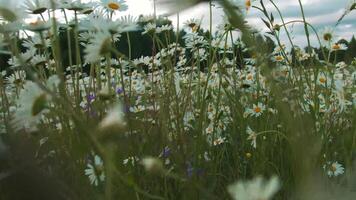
x=333, y=167
x=248, y=155
x=114, y=6
x=327, y=36
x=322, y=79
x=336, y=47
x=248, y=4
x=279, y=58
x=257, y=109
x=35, y=23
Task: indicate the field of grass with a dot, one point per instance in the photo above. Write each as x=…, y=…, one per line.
x=96, y=106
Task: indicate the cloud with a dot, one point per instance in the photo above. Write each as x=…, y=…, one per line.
x=319, y=13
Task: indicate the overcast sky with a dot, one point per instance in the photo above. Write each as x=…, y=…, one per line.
x=319, y=13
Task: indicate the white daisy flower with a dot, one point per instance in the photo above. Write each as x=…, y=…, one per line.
x=31, y=105
x=256, y=110
x=128, y=23
x=114, y=5
x=338, y=47
x=114, y=118
x=334, y=169
x=38, y=25
x=97, y=47
x=95, y=171
x=152, y=164
x=149, y=28
x=36, y=6
x=11, y=11
x=327, y=34
x=256, y=189
x=252, y=135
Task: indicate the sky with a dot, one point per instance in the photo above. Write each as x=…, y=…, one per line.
x=320, y=13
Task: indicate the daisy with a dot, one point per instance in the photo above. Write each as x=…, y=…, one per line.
x=327, y=34
x=334, y=169
x=24, y=58
x=256, y=189
x=31, y=105
x=322, y=80
x=38, y=60
x=95, y=171
x=338, y=47
x=256, y=110
x=152, y=164
x=149, y=28
x=16, y=79
x=193, y=24
x=11, y=11
x=163, y=28
x=128, y=23
x=219, y=141
x=114, y=5
x=75, y=5
x=114, y=118
x=36, y=6
x=38, y=25
x=252, y=135
x=36, y=42
x=97, y=47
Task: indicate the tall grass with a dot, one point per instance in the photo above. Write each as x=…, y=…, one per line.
x=202, y=111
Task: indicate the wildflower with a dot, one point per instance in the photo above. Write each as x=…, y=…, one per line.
x=11, y=11
x=95, y=171
x=256, y=189
x=163, y=28
x=98, y=47
x=75, y=5
x=114, y=5
x=322, y=80
x=334, y=169
x=38, y=60
x=252, y=135
x=128, y=23
x=338, y=47
x=247, y=4
x=256, y=110
x=149, y=28
x=248, y=155
x=327, y=34
x=219, y=141
x=36, y=6
x=31, y=105
x=114, y=118
x=23, y=58
x=132, y=160
x=193, y=24
x=151, y=164
x=38, y=25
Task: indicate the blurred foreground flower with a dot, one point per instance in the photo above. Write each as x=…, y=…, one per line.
x=153, y=165
x=256, y=189
x=11, y=11
x=114, y=118
x=32, y=103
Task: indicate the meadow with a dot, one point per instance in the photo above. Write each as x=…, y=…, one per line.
x=100, y=106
